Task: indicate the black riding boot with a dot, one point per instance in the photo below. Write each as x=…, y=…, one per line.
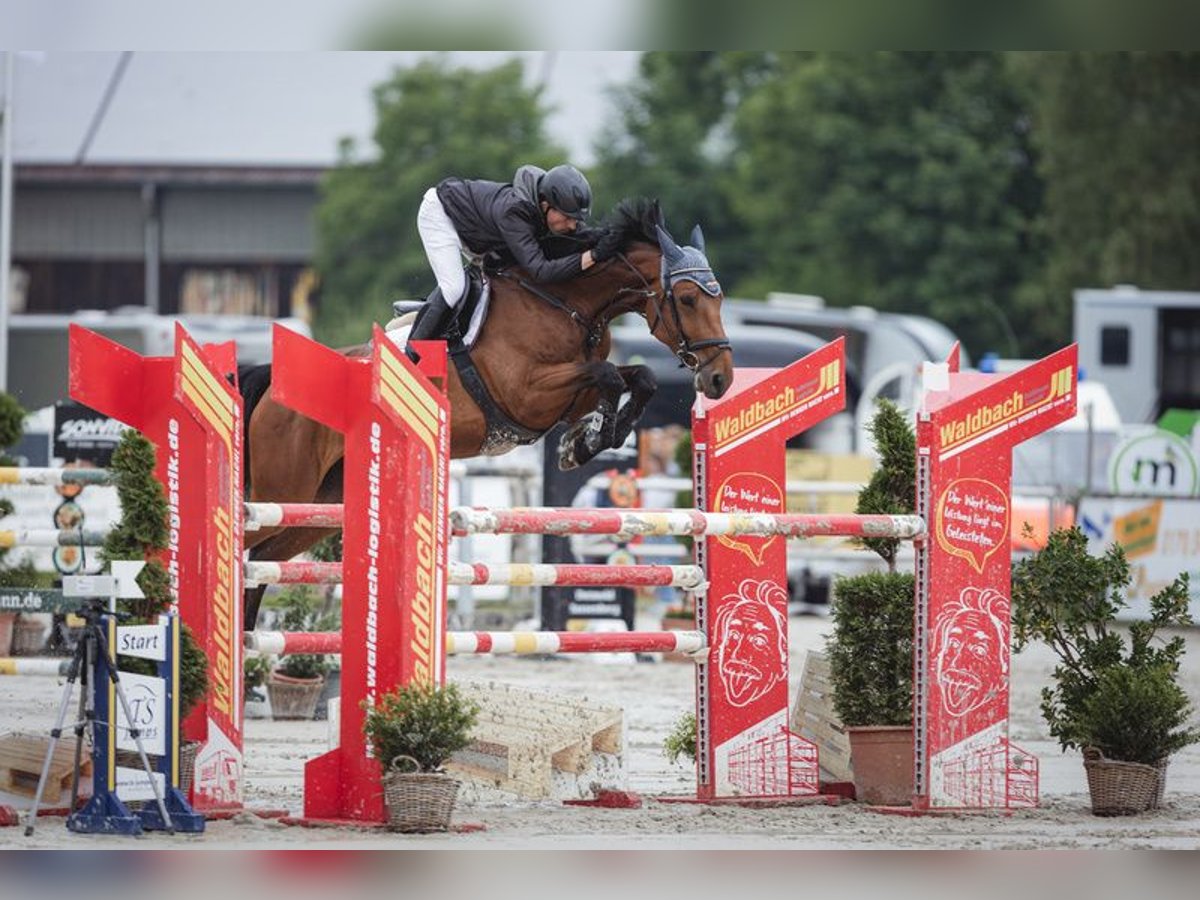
x=432, y=321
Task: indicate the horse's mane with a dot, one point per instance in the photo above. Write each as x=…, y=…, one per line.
x=635, y=219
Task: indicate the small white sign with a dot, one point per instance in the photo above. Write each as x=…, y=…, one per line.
x=143, y=641
x=132, y=784
x=89, y=585
x=126, y=573
x=147, y=698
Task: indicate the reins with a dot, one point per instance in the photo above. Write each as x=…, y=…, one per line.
x=593, y=331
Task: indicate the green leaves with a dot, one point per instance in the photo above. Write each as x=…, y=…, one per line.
x=870, y=649
x=432, y=121
x=1122, y=698
x=681, y=742
x=301, y=612
x=427, y=722
x=892, y=488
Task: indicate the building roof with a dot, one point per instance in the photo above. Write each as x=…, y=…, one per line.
x=179, y=175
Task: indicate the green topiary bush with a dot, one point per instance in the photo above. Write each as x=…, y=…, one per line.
x=870, y=655
x=427, y=722
x=871, y=645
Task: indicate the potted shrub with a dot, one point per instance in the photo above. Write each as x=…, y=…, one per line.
x=1117, y=700
x=412, y=731
x=871, y=644
x=294, y=686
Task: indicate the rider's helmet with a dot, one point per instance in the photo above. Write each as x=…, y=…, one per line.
x=565, y=188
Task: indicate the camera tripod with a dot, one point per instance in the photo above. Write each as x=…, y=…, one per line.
x=105, y=812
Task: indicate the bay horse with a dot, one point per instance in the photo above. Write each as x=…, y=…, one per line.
x=542, y=356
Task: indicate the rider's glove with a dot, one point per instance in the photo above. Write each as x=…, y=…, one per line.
x=607, y=247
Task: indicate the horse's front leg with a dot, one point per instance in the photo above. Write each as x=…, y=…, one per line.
x=641, y=385
x=596, y=430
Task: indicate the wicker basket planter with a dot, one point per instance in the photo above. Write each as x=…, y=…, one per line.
x=187, y=766
x=1122, y=788
x=417, y=802
x=293, y=698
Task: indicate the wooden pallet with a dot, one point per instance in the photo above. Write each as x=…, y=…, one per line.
x=21, y=759
x=814, y=718
x=523, y=736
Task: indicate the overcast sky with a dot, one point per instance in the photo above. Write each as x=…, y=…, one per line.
x=251, y=108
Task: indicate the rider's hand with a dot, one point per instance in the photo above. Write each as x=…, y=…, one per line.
x=607, y=247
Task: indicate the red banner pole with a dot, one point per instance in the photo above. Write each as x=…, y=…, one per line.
x=744, y=747
x=395, y=532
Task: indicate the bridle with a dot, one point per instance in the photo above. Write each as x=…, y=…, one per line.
x=685, y=349
x=694, y=269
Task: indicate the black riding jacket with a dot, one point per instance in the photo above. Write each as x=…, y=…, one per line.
x=504, y=222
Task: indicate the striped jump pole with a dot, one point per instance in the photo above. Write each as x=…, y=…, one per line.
x=688, y=577
x=53, y=477
x=630, y=523
x=283, y=643
x=51, y=537
x=293, y=515
x=41, y=667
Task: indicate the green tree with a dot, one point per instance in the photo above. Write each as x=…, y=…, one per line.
x=670, y=140
x=1117, y=137
x=431, y=121
x=903, y=181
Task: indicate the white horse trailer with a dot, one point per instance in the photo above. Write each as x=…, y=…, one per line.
x=1143, y=345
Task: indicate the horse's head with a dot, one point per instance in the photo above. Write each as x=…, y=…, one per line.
x=686, y=315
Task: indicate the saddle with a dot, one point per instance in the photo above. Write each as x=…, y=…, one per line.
x=460, y=325
x=502, y=432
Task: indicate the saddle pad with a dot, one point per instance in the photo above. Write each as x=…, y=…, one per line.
x=398, y=328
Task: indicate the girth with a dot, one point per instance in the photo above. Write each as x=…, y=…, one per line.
x=502, y=433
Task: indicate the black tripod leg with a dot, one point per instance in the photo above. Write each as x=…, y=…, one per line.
x=55, y=734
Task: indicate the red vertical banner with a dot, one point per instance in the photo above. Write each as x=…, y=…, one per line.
x=211, y=603
x=396, y=427
x=744, y=747
x=965, y=438
x=190, y=410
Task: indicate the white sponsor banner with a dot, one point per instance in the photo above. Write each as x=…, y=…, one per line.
x=147, y=698
x=1157, y=463
x=144, y=641
x=1161, y=539
x=134, y=784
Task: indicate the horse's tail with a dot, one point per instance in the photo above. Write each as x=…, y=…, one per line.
x=253, y=382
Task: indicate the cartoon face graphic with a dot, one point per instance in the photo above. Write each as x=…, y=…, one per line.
x=971, y=646
x=751, y=635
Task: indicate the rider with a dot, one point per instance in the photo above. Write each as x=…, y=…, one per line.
x=508, y=223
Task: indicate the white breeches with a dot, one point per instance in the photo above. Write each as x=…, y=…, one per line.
x=443, y=247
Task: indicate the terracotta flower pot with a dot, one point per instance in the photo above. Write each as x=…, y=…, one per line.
x=293, y=698
x=882, y=759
